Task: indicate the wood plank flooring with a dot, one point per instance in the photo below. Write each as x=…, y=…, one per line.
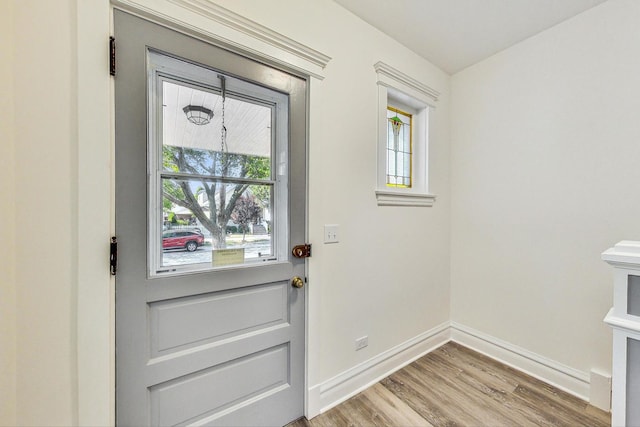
x=455, y=386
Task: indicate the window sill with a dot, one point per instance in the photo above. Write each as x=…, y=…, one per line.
x=397, y=198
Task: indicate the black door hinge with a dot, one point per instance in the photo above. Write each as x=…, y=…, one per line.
x=113, y=258
x=112, y=56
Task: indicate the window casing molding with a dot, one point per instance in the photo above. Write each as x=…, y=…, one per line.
x=391, y=77
x=399, y=90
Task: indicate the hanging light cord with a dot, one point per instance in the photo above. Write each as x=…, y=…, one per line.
x=223, y=129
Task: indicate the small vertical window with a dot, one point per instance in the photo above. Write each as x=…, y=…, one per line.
x=405, y=111
x=399, y=148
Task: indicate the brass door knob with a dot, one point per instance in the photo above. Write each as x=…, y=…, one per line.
x=297, y=282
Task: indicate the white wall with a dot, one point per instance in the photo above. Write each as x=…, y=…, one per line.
x=7, y=231
x=388, y=277
x=44, y=207
x=545, y=173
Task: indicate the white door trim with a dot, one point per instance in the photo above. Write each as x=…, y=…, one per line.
x=95, y=314
x=95, y=289
x=225, y=28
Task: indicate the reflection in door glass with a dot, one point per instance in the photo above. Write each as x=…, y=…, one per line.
x=217, y=186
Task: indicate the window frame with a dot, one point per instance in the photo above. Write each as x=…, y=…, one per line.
x=162, y=67
x=398, y=90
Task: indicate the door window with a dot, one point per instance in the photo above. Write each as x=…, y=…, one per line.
x=217, y=153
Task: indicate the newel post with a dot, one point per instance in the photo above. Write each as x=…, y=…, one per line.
x=624, y=318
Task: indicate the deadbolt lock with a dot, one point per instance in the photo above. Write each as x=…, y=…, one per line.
x=302, y=251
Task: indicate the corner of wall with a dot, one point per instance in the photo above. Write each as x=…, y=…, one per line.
x=347, y=384
x=523, y=243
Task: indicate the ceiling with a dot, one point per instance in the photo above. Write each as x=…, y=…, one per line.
x=454, y=34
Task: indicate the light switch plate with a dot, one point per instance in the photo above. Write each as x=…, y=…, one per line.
x=331, y=233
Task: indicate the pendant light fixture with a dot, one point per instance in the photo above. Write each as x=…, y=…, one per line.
x=198, y=115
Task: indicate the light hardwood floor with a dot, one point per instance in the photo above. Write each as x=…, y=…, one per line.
x=455, y=386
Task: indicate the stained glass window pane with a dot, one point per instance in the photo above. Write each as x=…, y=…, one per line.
x=398, y=148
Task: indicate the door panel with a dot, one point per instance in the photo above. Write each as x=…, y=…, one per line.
x=206, y=320
x=182, y=400
x=200, y=342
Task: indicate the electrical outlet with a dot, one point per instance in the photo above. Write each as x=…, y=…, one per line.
x=331, y=233
x=362, y=342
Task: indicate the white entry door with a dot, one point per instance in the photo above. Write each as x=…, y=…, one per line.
x=210, y=198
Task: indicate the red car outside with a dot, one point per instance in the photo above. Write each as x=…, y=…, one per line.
x=187, y=239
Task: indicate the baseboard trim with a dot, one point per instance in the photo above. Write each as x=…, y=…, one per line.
x=336, y=390
x=550, y=371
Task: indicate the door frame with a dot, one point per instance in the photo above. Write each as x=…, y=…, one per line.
x=94, y=92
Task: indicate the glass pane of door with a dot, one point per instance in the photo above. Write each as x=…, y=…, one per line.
x=189, y=237
x=215, y=154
